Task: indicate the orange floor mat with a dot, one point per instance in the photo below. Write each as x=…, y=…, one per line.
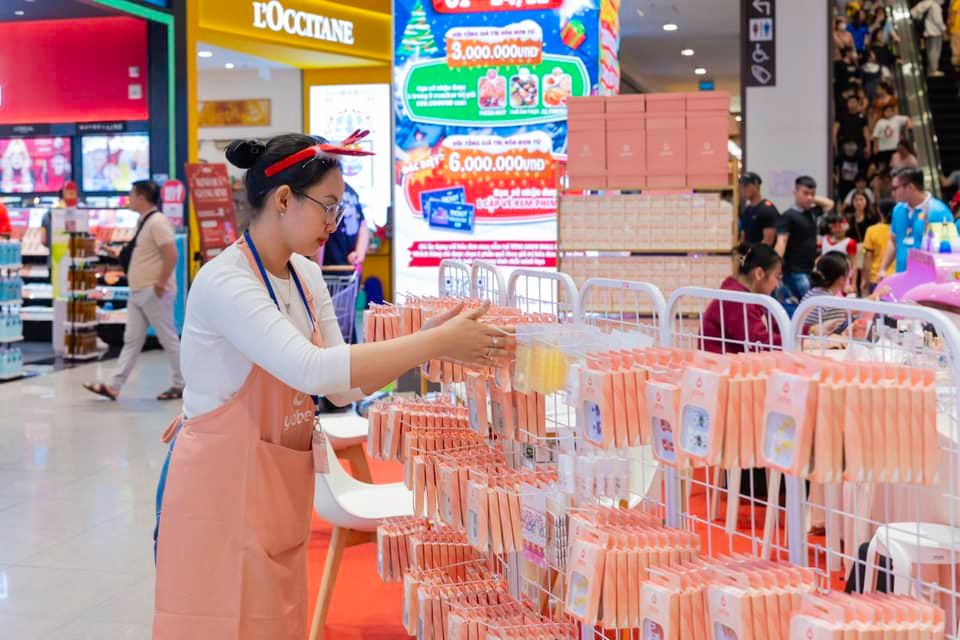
x=363, y=606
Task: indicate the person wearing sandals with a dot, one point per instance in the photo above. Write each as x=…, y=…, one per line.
x=153, y=289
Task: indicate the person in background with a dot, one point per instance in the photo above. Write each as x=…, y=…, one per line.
x=873, y=73
x=759, y=218
x=726, y=328
x=904, y=157
x=951, y=181
x=888, y=132
x=859, y=29
x=852, y=125
x=931, y=12
x=797, y=240
x=153, y=289
x=842, y=38
x=850, y=164
x=860, y=186
x=917, y=209
x=874, y=248
x=882, y=184
x=349, y=244
x=860, y=214
x=836, y=239
x=830, y=277
x=953, y=29
x=885, y=96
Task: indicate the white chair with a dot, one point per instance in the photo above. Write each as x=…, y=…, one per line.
x=347, y=432
x=907, y=544
x=355, y=509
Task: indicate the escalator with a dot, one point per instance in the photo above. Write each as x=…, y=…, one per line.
x=915, y=99
x=945, y=109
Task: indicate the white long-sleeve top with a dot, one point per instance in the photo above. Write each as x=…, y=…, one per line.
x=231, y=323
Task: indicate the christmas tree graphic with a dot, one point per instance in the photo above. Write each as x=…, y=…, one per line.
x=417, y=36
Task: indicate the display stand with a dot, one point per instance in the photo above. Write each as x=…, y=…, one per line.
x=916, y=526
x=11, y=324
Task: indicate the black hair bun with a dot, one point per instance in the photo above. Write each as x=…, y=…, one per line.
x=244, y=153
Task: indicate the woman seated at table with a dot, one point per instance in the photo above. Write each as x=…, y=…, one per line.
x=732, y=327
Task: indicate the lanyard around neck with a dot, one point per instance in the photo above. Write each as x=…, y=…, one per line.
x=266, y=279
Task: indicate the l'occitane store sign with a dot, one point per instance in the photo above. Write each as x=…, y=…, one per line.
x=274, y=16
x=333, y=27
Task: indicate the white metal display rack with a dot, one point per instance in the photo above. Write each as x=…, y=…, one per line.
x=916, y=526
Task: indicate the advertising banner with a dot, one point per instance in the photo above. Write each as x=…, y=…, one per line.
x=173, y=194
x=336, y=111
x=480, y=97
x=34, y=165
x=213, y=205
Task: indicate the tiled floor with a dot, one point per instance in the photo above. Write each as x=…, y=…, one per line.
x=77, y=482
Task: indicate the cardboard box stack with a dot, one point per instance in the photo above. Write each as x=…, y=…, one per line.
x=648, y=141
x=667, y=272
x=646, y=222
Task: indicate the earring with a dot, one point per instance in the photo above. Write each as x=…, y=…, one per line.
x=282, y=211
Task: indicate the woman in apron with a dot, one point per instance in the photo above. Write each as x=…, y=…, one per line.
x=260, y=343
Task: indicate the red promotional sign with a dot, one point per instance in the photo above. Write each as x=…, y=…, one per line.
x=173, y=194
x=213, y=206
x=483, y=6
x=71, y=196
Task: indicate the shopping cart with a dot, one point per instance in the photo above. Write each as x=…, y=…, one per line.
x=343, y=283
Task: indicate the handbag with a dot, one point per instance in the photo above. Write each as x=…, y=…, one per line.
x=126, y=254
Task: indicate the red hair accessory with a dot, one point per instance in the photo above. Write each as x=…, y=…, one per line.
x=348, y=147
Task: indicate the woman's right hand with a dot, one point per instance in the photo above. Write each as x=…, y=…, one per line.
x=466, y=339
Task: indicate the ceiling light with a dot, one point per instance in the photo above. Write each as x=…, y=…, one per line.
x=686, y=52
x=700, y=71
x=18, y=12
x=670, y=27
x=640, y=13
x=229, y=65
x=204, y=54
x=739, y=118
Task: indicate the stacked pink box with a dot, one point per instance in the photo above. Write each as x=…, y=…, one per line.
x=649, y=141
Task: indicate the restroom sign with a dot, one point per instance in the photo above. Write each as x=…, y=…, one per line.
x=759, y=43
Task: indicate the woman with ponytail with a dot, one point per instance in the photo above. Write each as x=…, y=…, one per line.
x=727, y=327
x=260, y=343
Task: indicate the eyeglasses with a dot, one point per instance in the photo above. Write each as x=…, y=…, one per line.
x=333, y=212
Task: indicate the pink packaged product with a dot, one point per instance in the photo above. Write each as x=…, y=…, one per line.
x=596, y=407
x=663, y=406
x=703, y=410
x=626, y=150
x=789, y=419
x=707, y=135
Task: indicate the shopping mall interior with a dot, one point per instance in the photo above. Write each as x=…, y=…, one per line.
x=479, y=319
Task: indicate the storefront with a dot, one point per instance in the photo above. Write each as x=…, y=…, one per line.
x=257, y=69
x=105, y=118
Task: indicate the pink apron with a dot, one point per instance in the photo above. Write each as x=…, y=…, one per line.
x=237, y=506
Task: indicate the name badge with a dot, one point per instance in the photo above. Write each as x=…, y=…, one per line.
x=909, y=241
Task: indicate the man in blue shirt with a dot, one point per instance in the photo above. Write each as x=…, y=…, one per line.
x=915, y=211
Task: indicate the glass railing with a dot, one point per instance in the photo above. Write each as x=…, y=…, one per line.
x=912, y=91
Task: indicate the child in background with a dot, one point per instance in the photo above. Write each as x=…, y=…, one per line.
x=836, y=241
x=830, y=277
x=875, y=244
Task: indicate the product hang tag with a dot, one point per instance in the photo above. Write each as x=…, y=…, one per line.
x=320, y=462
